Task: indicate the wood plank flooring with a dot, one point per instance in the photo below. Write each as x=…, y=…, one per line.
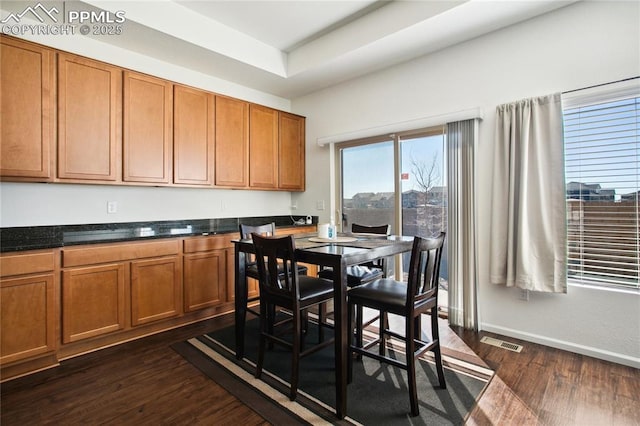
x=145, y=382
x=557, y=387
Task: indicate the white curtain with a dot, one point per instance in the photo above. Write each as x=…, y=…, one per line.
x=528, y=219
x=461, y=229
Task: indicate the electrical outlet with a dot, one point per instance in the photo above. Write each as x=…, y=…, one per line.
x=320, y=205
x=112, y=207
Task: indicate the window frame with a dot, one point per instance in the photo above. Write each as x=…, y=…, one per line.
x=602, y=94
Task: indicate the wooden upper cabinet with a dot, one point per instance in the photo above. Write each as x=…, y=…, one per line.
x=147, y=129
x=193, y=136
x=89, y=119
x=263, y=147
x=291, y=152
x=27, y=128
x=232, y=142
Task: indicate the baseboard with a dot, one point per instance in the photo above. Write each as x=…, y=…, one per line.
x=567, y=346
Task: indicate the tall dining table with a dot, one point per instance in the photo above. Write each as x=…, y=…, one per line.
x=343, y=251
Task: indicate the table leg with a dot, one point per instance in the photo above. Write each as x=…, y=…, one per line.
x=240, y=300
x=341, y=338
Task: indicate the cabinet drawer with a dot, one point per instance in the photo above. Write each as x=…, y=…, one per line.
x=91, y=255
x=214, y=242
x=30, y=263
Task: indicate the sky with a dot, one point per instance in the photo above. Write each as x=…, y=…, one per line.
x=369, y=168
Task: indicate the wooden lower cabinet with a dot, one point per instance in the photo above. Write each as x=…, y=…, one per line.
x=28, y=307
x=156, y=290
x=59, y=303
x=204, y=279
x=93, y=301
x=208, y=268
x=27, y=323
x=109, y=288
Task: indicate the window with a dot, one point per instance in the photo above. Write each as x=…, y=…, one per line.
x=602, y=153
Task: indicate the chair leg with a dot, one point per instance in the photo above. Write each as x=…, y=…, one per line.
x=350, y=341
x=410, y=331
x=295, y=355
x=358, y=334
x=321, y=315
x=265, y=325
x=384, y=324
x=304, y=327
x=271, y=320
x=437, y=353
x=359, y=327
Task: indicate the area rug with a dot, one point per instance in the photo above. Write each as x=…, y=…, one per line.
x=378, y=394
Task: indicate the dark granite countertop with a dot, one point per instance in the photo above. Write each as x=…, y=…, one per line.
x=43, y=237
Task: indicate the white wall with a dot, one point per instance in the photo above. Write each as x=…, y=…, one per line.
x=580, y=45
x=31, y=204
x=27, y=204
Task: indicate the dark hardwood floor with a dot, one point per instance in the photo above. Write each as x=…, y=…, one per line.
x=146, y=382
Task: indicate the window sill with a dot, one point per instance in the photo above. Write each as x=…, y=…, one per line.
x=586, y=284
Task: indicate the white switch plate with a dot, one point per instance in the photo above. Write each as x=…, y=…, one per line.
x=320, y=205
x=112, y=207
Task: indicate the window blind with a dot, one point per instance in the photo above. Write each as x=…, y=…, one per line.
x=602, y=154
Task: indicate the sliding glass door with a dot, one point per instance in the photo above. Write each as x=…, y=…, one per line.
x=398, y=180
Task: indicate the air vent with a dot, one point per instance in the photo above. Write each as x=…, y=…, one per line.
x=501, y=344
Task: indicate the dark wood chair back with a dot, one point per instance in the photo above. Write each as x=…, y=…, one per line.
x=365, y=229
x=277, y=267
x=267, y=229
x=424, y=270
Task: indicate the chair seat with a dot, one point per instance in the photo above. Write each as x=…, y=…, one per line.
x=356, y=275
x=384, y=291
x=314, y=288
x=252, y=270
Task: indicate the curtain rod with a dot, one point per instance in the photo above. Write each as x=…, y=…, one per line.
x=602, y=84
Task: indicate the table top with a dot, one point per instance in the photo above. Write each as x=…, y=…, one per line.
x=365, y=247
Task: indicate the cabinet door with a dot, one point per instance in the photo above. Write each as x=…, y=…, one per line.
x=89, y=119
x=204, y=279
x=193, y=136
x=156, y=289
x=27, y=317
x=26, y=110
x=291, y=150
x=232, y=142
x=148, y=115
x=263, y=147
x=93, y=301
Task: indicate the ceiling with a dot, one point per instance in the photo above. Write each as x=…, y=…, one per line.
x=291, y=48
